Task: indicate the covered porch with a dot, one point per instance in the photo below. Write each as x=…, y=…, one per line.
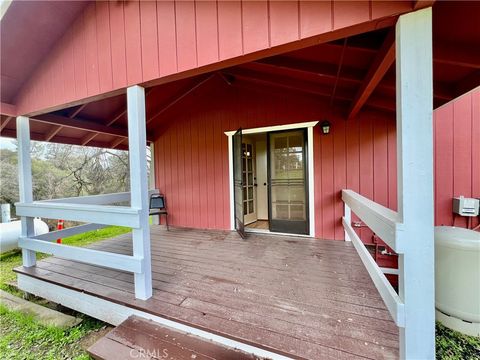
x=272, y=295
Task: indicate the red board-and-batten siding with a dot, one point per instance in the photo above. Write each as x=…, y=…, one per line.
x=457, y=155
x=192, y=154
x=112, y=45
x=360, y=154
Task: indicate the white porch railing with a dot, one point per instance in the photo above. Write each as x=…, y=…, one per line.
x=380, y=220
x=84, y=208
x=409, y=232
x=96, y=210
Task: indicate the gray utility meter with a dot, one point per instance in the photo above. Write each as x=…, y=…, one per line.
x=466, y=206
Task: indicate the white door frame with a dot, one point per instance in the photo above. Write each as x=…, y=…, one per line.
x=311, y=187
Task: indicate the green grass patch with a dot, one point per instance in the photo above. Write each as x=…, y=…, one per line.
x=24, y=338
x=21, y=337
x=453, y=345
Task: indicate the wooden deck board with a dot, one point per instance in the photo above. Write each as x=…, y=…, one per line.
x=140, y=338
x=298, y=296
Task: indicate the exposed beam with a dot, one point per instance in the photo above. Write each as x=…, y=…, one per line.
x=121, y=112
x=317, y=70
x=5, y=123
x=287, y=83
x=53, y=132
x=87, y=138
x=80, y=124
x=56, y=129
x=116, y=142
x=11, y=133
x=383, y=61
x=420, y=4
x=179, y=97
x=456, y=54
x=339, y=69
x=279, y=83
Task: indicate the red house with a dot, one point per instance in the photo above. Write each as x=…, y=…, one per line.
x=293, y=122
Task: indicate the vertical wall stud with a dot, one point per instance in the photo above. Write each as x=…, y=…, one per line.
x=415, y=182
x=137, y=140
x=25, y=183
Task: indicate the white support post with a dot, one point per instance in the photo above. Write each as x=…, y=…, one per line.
x=415, y=182
x=347, y=215
x=25, y=183
x=139, y=187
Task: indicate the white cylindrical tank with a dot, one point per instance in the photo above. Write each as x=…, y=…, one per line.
x=457, y=278
x=9, y=233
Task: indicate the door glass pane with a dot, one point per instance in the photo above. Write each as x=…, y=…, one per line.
x=287, y=171
x=250, y=206
x=250, y=193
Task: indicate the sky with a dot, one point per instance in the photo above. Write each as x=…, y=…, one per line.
x=7, y=143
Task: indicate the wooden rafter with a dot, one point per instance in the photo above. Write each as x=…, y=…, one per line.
x=384, y=59
x=180, y=97
x=87, y=138
x=54, y=130
x=5, y=123
x=317, y=70
x=79, y=124
x=276, y=83
x=420, y=4
x=285, y=82
x=116, y=142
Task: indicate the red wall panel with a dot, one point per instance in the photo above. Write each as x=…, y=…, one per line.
x=359, y=154
x=189, y=34
x=192, y=153
x=457, y=155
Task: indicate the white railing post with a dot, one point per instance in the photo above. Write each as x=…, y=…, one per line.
x=137, y=147
x=415, y=182
x=347, y=215
x=25, y=184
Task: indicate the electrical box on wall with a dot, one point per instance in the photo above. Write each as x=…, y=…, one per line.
x=466, y=206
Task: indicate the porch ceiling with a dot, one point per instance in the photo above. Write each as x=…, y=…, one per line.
x=349, y=73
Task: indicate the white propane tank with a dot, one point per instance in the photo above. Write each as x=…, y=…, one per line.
x=10, y=232
x=457, y=278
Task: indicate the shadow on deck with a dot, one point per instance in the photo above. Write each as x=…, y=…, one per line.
x=298, y=297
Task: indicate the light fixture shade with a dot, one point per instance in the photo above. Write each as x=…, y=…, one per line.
x=325, y=127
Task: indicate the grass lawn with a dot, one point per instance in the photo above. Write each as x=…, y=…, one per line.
x=21, y=337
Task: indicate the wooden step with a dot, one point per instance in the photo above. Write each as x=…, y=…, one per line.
x=138, y=338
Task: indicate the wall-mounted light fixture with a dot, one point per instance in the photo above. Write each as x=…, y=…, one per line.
x=325, y=127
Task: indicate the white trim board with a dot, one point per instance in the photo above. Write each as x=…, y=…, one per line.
x=311, y=185
x=115, y=314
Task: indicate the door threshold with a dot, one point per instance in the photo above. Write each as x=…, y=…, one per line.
x=268, y=232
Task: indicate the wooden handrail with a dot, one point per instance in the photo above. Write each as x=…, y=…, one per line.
x=384, y=222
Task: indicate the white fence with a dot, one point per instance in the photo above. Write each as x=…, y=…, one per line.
x=382, y=221
x=96, y=210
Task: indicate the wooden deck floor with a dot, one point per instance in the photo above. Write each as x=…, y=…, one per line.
x=295, y=296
